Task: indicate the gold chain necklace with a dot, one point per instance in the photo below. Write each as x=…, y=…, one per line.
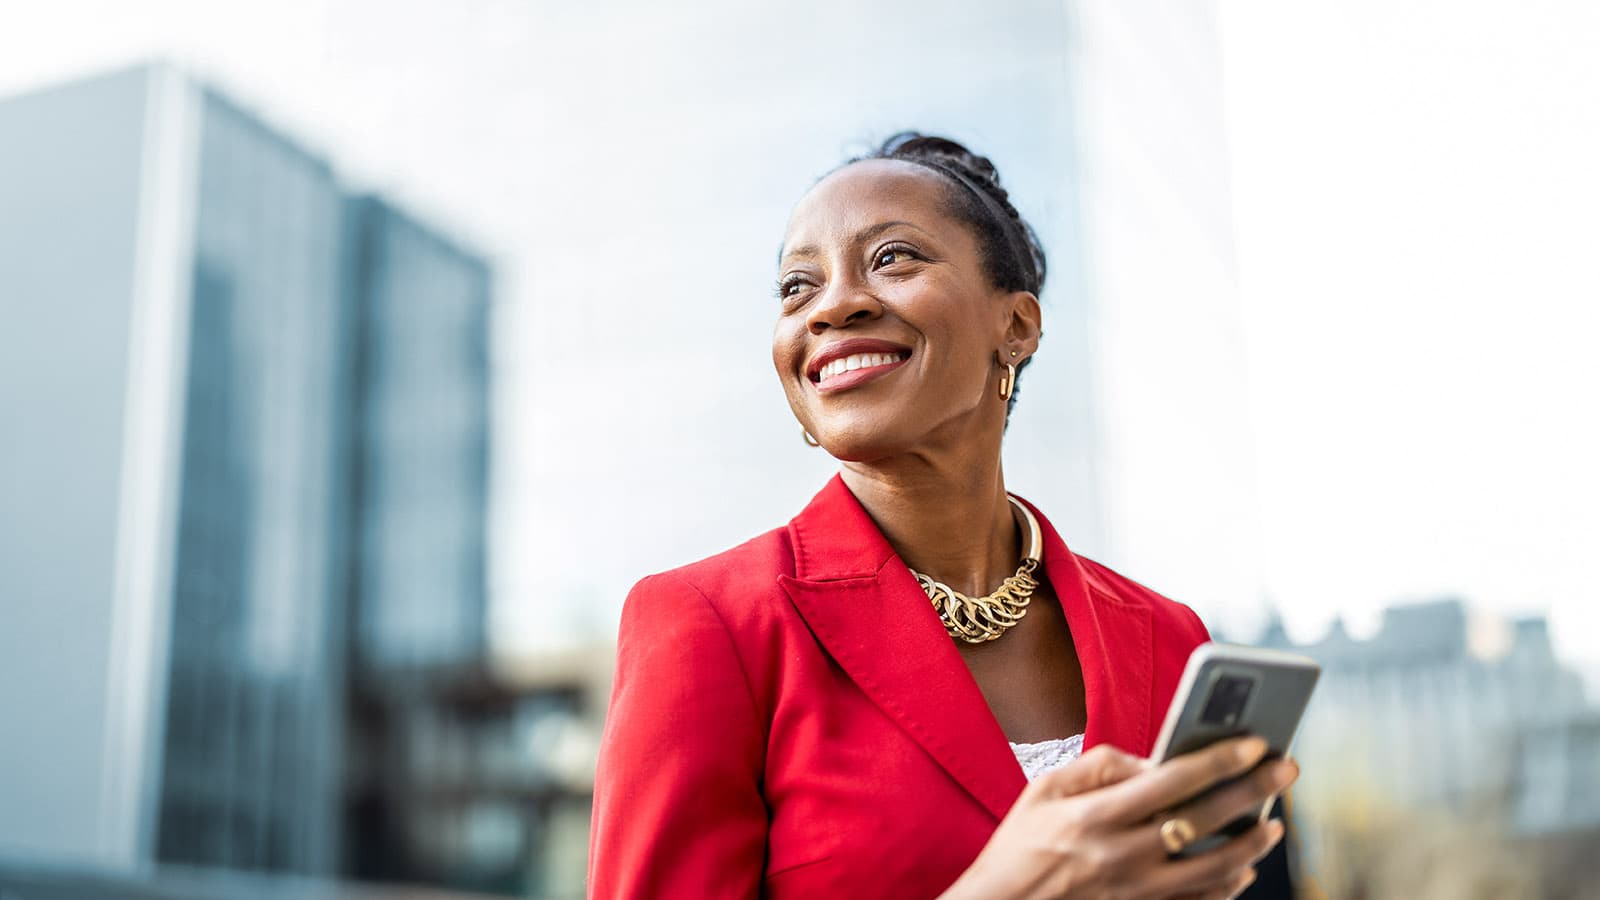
x=979, y=619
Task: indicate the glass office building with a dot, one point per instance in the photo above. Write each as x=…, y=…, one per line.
x=250, y=763
x=252, y=458
x=420, y=398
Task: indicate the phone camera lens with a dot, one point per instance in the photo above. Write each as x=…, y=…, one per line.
x=1226, y=704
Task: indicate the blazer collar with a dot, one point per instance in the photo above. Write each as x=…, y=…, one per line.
x=1113, y=641
x=868, y=612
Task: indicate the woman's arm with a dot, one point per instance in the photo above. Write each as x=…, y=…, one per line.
x=677, y=807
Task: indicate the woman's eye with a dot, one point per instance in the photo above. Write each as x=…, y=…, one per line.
x=788, y=287
x=888, y=256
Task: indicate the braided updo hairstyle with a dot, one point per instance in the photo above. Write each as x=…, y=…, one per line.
x=1011, y=254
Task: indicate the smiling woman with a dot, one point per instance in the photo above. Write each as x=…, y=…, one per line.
x=845, y=706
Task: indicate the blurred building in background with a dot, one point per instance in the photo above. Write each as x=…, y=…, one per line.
x=419, y=407
x=459, y=773
x=249, y=754
x=1448, y=716
x=251, y=485
x=484, y=776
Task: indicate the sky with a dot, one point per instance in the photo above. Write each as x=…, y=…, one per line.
x=1418, y=211
x=1414, y=207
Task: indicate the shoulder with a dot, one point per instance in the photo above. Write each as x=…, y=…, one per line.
x=720, y=623
x=737, y=589
x=756, y=563
x=1167, y=615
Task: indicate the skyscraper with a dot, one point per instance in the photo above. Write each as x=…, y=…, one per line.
x=249, y=413
x=420, y=398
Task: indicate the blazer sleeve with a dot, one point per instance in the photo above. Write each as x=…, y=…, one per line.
x=678, y=810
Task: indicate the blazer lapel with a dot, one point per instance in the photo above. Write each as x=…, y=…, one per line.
x=868, y=612
x=1113, y=642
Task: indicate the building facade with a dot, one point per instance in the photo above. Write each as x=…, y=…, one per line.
x=420, y=402
x=1444, y=712
x=250, y=459
x=249, y=760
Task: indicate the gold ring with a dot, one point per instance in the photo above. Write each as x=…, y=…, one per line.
x=1176, y=834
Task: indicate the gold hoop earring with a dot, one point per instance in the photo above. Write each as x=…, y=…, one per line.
x=1008, y=382
x=806, y=436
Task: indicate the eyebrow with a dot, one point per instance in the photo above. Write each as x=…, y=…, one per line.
x=865, y=234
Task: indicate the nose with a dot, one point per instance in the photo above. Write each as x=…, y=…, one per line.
x=844, y=302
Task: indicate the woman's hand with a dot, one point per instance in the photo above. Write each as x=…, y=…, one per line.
x=1093, y=828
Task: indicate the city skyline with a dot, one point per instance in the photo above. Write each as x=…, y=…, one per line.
x=1408, y=436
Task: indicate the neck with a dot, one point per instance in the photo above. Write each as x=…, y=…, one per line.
x=951, y=522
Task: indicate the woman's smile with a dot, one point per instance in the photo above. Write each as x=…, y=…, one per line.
x=842, y=365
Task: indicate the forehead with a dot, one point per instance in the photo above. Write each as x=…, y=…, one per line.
x=864, y=194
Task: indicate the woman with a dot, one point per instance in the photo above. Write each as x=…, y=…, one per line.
x=845, y=707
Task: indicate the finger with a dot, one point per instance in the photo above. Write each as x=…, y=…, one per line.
x=1228, y=887
x=1248, y=796
x=1177, y=780
x=1246, y=878
x=1140, y=849
x=1216, y=866
x=1100, y=767
x=1225, y=889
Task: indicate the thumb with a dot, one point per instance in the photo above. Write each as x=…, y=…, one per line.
x=1100, y=767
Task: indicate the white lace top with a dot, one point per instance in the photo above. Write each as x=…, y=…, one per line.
x=1045, y=756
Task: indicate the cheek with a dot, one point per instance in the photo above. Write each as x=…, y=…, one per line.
x=960, y=341
x=787, y=345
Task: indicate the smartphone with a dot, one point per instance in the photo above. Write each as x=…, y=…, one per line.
x=1231, y=691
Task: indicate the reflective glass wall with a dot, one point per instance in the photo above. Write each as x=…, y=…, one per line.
x=251, y=765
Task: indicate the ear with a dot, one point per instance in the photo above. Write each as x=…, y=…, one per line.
x=1023, y=326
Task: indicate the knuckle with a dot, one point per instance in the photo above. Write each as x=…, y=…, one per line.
x=1266, y=778
x=1220, y=866
x=1094, y=811
x=1094, y=856
x=1236, y=854
x=1097, y=752
x=1253, y=845
x=1094, y=770
x=1224, y=762
x=1105, y=760
x=1239, y=800
x=1074, y=822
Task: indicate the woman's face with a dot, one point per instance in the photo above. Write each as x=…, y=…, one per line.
x=890, y=336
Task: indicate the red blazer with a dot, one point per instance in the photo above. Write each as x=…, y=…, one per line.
x=790, y=719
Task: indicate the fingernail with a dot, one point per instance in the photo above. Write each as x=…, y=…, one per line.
x=1251, y=748
x=1285, y=774
x=1277, y=830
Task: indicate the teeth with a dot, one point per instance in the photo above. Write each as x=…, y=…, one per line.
x=857, y=361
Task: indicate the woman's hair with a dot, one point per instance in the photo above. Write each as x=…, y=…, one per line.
x=1011, y=254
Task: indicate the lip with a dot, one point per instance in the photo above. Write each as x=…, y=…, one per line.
x=842, y=349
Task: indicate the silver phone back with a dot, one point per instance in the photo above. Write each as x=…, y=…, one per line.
x=1280, y=687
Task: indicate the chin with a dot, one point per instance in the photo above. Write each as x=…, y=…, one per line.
x=852, y=452
x=860, y=441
